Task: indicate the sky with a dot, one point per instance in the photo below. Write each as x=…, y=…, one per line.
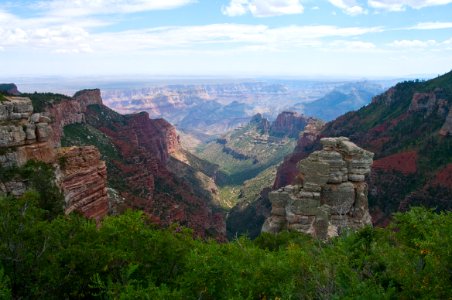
x=234, y=38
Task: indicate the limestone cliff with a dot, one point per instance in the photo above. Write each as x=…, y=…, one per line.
x=25, y=135
x=331, y=195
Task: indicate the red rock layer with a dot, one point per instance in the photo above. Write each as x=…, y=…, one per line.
x=83, y=180
x=404, y=162
x=444, y=177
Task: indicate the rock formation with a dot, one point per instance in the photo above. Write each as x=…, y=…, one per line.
x=330, y=196
x=83, y=179
x=288, y=124
x=70, y=111
x=25, y=135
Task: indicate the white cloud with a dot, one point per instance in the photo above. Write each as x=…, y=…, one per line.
x=413, y=44
x=400, y=5
x=349, y=7
x=352, y=46
x=72, y=39
x=432, y=25
x=226, y=36
x=98, y=7
x=263, y=8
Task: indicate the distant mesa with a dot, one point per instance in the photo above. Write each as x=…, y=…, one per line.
x=288, y=123
x=9, y=89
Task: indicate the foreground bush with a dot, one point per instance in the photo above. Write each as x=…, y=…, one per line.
x=127, y=258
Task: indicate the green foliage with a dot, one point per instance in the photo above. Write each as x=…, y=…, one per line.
x=5, y=290
x=41, y=100
x=245, y=154
x=125, y=257
x=40, y=177
x=2, y=97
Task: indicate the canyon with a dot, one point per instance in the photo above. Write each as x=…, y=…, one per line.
x=107, y=162
x=138, y=166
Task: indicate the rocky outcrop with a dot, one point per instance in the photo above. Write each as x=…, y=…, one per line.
x=82, y=177
x=23, y=135
x=429, y=103
x=70, y=111
x=331, y=196
x=288, y=124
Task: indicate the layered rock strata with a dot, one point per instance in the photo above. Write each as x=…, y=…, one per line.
x=83, y=179
x=23, y=135
x=331, y=194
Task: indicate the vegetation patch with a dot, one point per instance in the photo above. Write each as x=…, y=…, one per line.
x=128, y=258
x=40, y=178
x=41, y=100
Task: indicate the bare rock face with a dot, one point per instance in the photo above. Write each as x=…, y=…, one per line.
x=23, y=135
x=289, y=124
x=435, y=101
x=332, y=195
x=71, y=111
x=83, y=180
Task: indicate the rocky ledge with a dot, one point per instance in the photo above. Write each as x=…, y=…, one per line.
x=331, y=194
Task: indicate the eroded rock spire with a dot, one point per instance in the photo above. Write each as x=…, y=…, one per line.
x=331, y=194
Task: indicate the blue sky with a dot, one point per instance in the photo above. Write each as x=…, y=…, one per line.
x=238, y=38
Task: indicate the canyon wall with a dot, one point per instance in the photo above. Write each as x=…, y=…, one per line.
x=25, y=135
x=82, y=176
